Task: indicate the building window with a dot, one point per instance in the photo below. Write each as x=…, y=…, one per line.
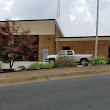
x=33, y=56
x=66, y=48
x=37, y=40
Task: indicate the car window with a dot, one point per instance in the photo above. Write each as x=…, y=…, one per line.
x=62, y=53
x=69, y=53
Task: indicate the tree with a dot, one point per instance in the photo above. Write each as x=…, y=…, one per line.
x=13, y=40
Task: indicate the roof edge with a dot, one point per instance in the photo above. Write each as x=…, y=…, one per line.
x=87, y=36
x=30, y=20
x=59, y=27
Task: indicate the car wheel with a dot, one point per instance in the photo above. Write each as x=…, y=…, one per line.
x=83, y=61
x=51, y=61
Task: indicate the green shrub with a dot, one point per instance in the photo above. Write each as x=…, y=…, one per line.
x=86, y=64
x=41, y=66
x=34, y=66
x=108, y=60
x=100, y=60
x=0, y=67
x=65, y=61
x=46, y=66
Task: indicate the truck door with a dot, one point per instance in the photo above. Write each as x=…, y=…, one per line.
x=70, y=53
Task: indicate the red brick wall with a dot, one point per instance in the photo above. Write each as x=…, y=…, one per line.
x=86, y=46
x=46, y=41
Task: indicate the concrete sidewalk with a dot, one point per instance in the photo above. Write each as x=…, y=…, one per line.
x=51, y=73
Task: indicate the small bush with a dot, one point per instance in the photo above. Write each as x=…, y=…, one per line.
x=0, y=65
x=34, y=66
x=86, y=64
x=100, y=60
x=108, y=60
x=46, y=66
x=65, y=61
x=41, y=66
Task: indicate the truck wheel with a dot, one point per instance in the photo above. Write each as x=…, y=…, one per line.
x=83, y=61
x=51, y=61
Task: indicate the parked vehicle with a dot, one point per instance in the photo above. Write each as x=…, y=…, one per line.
x=81, y=58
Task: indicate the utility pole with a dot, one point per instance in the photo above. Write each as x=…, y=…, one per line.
x=97, y=26
x=58, y=12
x=58, y=21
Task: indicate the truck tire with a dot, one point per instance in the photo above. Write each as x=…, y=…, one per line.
x=52, y=61
x=83, y=60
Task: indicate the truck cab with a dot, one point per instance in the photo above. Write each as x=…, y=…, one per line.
x=81, y=58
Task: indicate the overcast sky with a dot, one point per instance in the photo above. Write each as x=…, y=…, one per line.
x=77, y=17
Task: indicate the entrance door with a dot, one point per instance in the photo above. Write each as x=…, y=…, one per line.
x=45, y=53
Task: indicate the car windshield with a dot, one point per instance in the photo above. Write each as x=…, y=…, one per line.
x=61, y=53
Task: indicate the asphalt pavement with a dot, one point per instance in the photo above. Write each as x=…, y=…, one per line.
x=82, y=93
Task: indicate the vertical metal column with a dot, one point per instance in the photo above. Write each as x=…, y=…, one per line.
x=58, y=21
x=97, y=26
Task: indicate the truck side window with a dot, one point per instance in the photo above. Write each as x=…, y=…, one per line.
x=62, y=53
x=69, y=53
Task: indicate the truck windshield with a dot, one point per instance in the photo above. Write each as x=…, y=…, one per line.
x=61, y=53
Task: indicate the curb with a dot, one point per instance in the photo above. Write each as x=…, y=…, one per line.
x=48, y=76
x=77, y=73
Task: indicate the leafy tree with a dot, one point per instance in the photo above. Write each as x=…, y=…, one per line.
x=13, y=40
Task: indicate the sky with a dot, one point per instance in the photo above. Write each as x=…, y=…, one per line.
x=77, y=17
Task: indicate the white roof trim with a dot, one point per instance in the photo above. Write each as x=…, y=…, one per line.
x=83, y=39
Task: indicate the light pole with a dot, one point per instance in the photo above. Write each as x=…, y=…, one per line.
x=97, y=26
x=58, y=21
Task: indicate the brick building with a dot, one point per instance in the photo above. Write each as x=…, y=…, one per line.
x=86, y=44
x=45, y=31
x=50, y=39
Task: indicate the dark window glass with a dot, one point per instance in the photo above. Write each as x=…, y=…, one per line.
x=66, y=48
x=69, y=53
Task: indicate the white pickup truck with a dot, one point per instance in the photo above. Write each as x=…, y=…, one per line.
x=80, y=58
